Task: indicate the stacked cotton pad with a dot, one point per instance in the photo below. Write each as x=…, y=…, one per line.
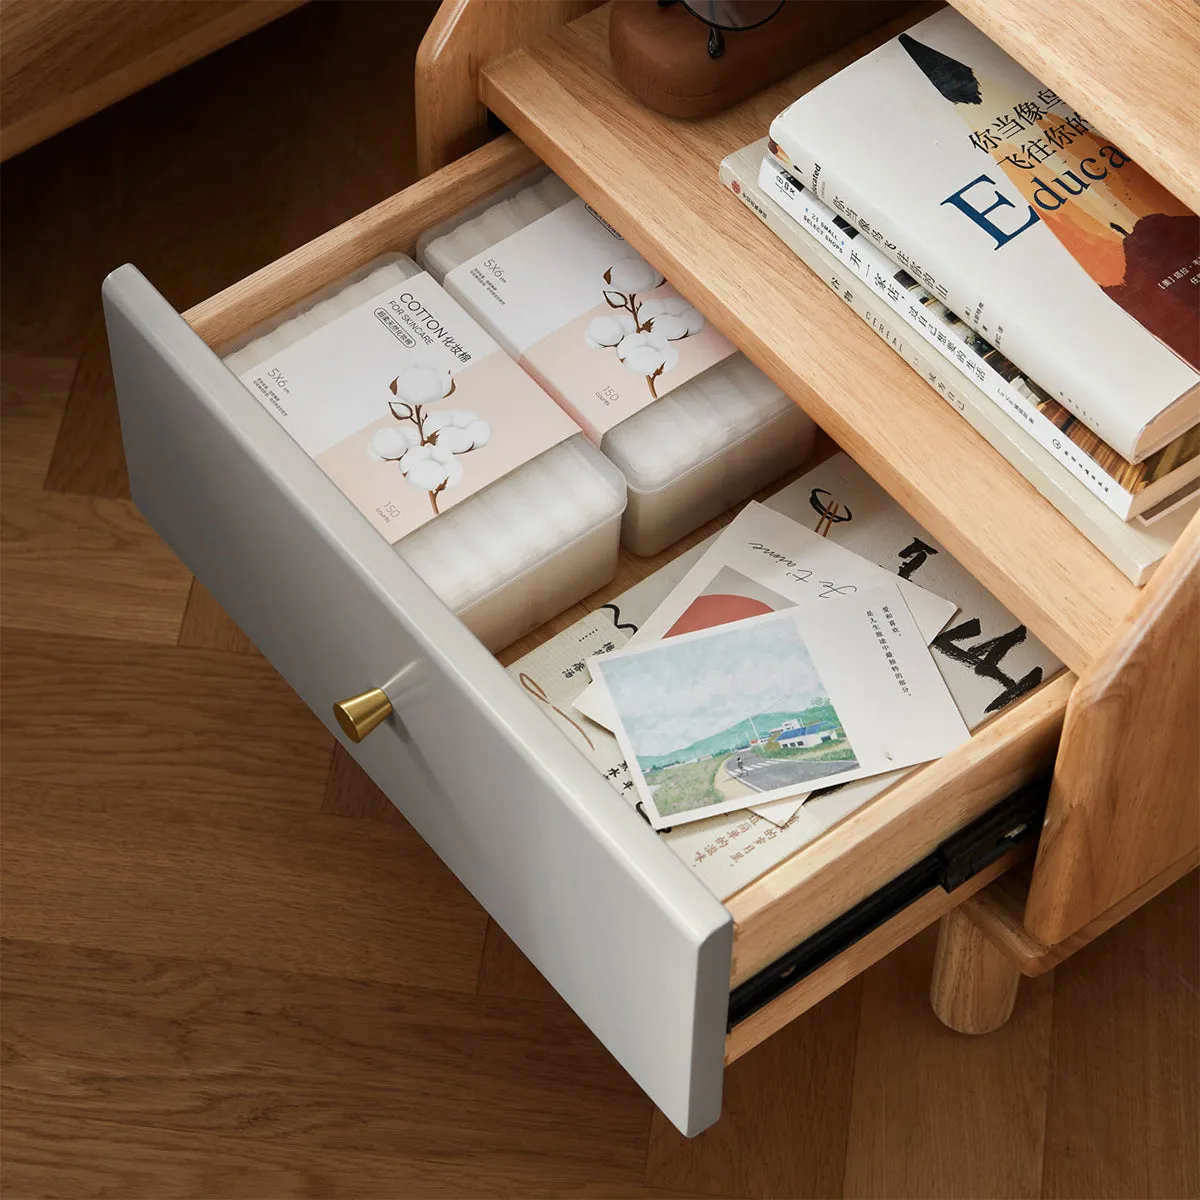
x=689, y=455
x=474, y=229
x=519, y=551
x=310, y=314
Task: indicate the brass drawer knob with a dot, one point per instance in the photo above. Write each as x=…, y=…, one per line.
x=360, y=714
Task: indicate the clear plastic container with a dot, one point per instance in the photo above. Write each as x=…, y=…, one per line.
x=514, y=554
x=703, y=447
x=489, y=220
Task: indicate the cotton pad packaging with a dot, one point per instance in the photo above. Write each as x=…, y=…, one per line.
x=506, y=558
x=687, y=455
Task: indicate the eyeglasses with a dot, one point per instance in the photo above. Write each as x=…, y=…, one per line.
x=727, y=16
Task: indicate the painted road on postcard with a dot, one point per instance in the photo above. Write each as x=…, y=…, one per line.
x=765, y=774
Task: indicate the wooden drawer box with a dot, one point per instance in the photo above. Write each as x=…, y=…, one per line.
x=608, y=914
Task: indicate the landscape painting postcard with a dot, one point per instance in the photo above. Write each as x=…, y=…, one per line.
x=727, y=597
x=772, y=705
x=763, y=562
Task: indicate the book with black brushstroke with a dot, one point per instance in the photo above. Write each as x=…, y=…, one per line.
x=1128, y=489
x=1012, y=209
x=1135, y=547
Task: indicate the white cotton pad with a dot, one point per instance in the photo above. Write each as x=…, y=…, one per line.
x=514, y=554
x=290, y=326
x=703, y=448
x=489, y=221
x=688, y=456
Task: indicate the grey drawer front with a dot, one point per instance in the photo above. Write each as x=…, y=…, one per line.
x=616, y=923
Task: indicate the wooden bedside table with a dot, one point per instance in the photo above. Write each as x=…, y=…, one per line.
x=1132, y=717
x=603, y=908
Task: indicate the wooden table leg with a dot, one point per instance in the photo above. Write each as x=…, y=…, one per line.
x=974, y=983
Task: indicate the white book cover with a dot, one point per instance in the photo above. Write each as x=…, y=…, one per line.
x=1135, y=547
x=1009, y=206
x=1129, y=489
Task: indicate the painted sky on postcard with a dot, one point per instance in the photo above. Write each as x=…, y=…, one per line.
x=678, y=691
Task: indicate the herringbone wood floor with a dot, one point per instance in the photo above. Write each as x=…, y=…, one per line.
x=231, y=969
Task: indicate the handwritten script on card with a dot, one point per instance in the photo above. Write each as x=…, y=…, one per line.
x=764, y=549
x=802, y=574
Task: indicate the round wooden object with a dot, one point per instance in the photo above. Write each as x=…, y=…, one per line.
x=974, y=983
x=660, y=55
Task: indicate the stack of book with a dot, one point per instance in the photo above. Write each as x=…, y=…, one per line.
x=1046, y=285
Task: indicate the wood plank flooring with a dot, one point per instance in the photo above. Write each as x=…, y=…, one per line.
x=231, y=969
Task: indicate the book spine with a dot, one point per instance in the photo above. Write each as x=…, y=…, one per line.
x=875, y=269
x=1135, y=552
x=1028, y=348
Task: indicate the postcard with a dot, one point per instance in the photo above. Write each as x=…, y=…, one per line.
x=772, y=705
x=764, y=562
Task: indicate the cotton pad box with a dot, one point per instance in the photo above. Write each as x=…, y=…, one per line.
x=692, y=425
x=540, y=527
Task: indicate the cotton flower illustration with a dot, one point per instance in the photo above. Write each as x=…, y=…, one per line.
x=648, y=354
x=458, y=430
x=641, y=331
x=608, y=331
x=425, y=443
x=632, y=275
x=431, y=467
x=674, y=318
x=393, y=443
x=422, y=384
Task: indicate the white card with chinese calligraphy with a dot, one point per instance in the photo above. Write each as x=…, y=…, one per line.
x=772, y=705
x=763, y=562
